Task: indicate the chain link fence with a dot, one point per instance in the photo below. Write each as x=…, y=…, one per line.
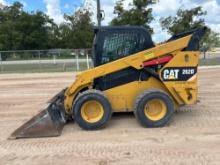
x=210, y=58
x=63, y=60
x=54, y=60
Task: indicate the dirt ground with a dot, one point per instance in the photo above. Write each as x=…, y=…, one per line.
x=192, y=136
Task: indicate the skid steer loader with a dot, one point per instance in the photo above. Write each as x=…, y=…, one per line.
x=130, y=74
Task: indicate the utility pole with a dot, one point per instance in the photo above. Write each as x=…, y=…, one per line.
x=99, y=15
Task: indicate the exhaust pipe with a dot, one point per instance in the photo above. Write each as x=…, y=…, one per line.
x=48, y=123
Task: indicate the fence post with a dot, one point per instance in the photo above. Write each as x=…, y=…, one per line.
x=204, y=55
x=87, y=60
x=54, y=59
x=77, y=62
x=39, y=61
x=1, y=62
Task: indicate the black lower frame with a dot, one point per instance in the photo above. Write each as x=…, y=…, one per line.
x=122, y=77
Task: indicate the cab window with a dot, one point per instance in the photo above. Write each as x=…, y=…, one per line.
x=120, y=44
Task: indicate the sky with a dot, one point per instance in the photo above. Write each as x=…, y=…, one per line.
x=56, y=8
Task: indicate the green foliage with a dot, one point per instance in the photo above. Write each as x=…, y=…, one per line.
x=189, y=19
x=138, y=14
x=22, y=30
x=77, y=31
x=184, y=20
x=210, y=40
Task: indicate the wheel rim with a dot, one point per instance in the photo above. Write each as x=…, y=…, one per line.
x=155, y=109
x=92, y=111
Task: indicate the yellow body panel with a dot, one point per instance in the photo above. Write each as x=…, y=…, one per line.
x=184, y=92
x=122, y=98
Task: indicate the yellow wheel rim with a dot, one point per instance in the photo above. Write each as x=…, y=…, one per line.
x=92, y=111
x=155, y=109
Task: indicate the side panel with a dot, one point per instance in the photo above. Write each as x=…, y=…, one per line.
x=120, y=77
x=123, y=97
x=180, y=77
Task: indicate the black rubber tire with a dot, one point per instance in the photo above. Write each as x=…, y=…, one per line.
x=147, y=96
x=92, y=95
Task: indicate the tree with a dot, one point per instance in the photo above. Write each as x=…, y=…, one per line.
x=210, y=40
x=22, y=30
x=77, y=31
x=139, y=14
x=190, y=19
x=184, y=20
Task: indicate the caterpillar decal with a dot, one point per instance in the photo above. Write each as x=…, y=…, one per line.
x=178, y=73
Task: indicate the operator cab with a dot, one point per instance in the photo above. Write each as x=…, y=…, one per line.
x=114, y=42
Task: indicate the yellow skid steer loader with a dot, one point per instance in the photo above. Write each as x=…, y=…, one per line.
x=130, y=74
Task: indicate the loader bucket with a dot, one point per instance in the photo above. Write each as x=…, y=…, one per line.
x=48, y=123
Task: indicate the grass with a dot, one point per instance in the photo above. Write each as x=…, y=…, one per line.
x=36, y=68
x=71, y=67
x=209, y=62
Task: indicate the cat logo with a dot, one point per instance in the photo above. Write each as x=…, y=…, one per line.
x=178, y=73
x=170, y=74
